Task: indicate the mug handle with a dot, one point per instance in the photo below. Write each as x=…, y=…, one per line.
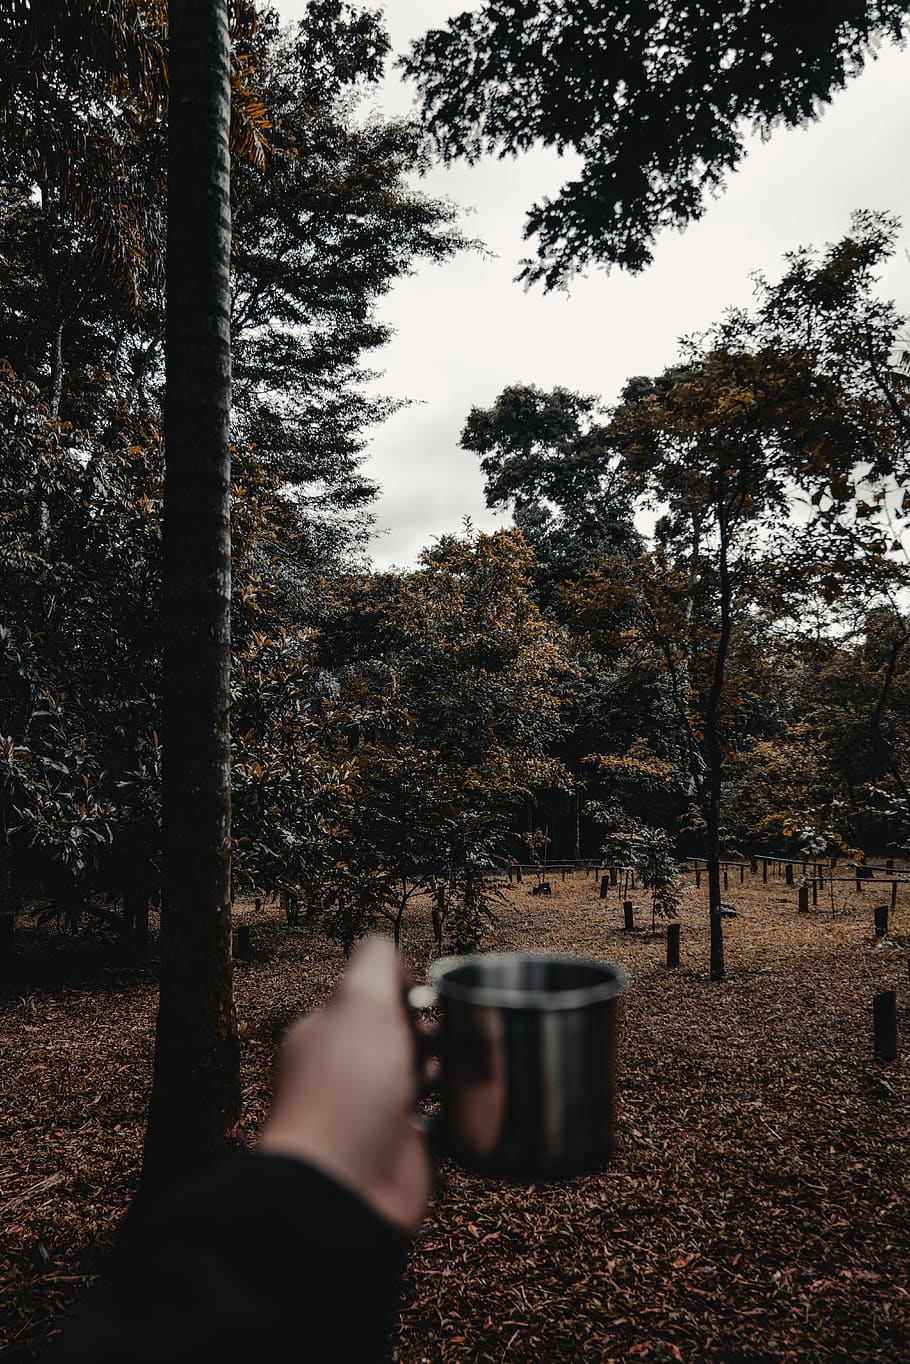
x=418, y=998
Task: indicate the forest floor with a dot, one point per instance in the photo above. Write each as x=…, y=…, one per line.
x=756, y=1209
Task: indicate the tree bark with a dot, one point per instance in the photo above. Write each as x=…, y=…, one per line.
x=712, y=746
x=56, y=392
x=195, y=1103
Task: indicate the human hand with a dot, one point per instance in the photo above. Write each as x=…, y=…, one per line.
x=348, y=1086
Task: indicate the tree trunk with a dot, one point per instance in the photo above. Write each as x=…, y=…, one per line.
x=10, y=904
x=712, y=746
x=56, y=392
x=195, y=1104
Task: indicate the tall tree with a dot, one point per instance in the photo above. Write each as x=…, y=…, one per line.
x=546, y=456
x=196, y=1092
x=655, y=99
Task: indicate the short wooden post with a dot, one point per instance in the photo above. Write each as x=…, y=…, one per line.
x=632, y=873
x=742, y=872
x=889, y=864
x=509, y=870
x=563, y=872
x=604, y=886
x=614, y=876
x=242, y=946
x=697, y=876
x=518, y=875
x=672, y=944
x=884, y=1025
x=881, y=920
x=726, y=879
x=803, y=899
x=815, y=890
x=788, y=873
x=628, y=911
x=753, y=865
x=893, y=894
x=764, y=869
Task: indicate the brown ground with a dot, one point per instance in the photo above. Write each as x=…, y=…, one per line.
x=756, y=1210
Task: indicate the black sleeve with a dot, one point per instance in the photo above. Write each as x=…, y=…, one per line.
x=264, y=1258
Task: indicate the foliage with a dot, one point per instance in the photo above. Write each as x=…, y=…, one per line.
x=548, y=458
x=650, y=851
x=655, y=100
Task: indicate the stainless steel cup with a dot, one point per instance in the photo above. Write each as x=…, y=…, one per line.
x=528, y=1050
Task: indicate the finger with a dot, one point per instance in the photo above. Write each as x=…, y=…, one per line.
x=374, y=972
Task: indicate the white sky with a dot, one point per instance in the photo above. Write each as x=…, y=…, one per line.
x=464, y=330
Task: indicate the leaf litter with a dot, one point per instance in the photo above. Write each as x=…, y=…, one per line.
x=755, y=1209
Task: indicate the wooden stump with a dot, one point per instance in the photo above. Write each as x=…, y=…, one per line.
x=604, y=886
x=804, y=899
x=628, y=910
x=672, y=944
x=884, y=1025
x=880, y=913
x=242, y=943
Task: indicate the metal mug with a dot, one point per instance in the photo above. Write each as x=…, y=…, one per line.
x=528, y=1050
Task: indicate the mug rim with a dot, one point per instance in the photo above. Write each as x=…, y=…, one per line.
x=494, y=996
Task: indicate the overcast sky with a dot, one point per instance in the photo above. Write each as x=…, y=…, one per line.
x=464, y=330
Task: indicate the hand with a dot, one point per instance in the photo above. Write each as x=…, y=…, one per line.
x=347, y=1090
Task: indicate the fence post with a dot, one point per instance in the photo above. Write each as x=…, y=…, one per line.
x=753, y=865
x=764, y=869
x=628, y=910
x=697, y=876
x=881, y=920
x=614, y=876
x=814, y=891
x=672, y=944
x=803, y=897
x=742, y=872
x=788, y=873
x=893, y=894
x=884, y=1025
x=518, y=875
x=604, y=884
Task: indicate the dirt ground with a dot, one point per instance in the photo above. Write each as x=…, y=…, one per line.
x=756, y=1209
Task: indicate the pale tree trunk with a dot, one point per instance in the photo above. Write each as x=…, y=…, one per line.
x=713, y=749
x=56, y=392
x=195, y=1103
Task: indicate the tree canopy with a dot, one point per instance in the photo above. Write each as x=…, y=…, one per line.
x=656, y=100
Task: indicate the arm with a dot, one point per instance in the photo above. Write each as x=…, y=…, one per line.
x=294, y=1252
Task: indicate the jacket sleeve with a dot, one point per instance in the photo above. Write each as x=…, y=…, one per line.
x=264, y=1258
